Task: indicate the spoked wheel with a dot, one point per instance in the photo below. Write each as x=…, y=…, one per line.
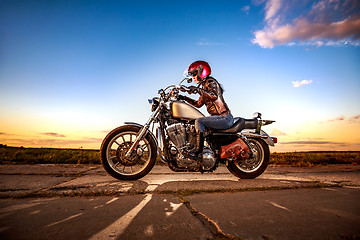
x=251, y=167
x=114, y=148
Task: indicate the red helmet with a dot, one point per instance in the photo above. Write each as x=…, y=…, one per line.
x=202, y=69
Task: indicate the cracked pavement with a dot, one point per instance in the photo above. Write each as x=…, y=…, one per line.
x=51, y=180
x=82, y=201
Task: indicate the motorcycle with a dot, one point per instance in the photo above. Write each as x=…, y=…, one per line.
x=130, y=151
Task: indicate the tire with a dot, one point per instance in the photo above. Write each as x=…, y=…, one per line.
x=252, y=167
x=116, y=144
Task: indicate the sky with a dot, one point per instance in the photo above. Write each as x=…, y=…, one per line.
x=70, y=71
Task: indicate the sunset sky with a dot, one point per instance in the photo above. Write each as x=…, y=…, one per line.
x=70, y=71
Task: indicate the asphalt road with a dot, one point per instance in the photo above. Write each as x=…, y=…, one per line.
x=82, y=202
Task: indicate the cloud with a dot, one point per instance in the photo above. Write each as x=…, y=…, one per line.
x=52, y=142
x=326, y=23
x=204, y=42
x=341, y=118
x=271, y=8
x=354, y=118
x=276, y=132
x=51, y=134
x=310, y=142
x=246, y=9
x=297, y=84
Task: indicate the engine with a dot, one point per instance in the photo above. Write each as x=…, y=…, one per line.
x=183, y=137
x=177, y=134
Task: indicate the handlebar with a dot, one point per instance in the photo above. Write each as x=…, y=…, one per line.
x=190, y=89
x=166, y=95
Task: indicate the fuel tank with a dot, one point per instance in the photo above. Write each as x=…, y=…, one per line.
x=184, y=111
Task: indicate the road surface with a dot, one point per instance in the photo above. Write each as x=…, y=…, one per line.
x=83, y=202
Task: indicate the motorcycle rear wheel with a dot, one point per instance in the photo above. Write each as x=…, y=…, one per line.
x=117, y=143
x=252, y=167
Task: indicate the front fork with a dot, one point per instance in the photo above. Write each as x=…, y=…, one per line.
x=142, y=132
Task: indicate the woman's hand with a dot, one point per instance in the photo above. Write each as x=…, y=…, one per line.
x=193, y=89
x=181, y=97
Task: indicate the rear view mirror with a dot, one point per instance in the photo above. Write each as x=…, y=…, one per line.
x=257, y=115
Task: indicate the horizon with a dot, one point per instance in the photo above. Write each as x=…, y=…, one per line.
x=94, y=149
x=71, y=71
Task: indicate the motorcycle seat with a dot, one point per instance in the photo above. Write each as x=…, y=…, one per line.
x=239, y=125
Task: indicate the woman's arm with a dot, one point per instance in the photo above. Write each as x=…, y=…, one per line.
x=211, y=93
x=199, y=103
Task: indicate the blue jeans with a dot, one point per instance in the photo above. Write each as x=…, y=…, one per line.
x=215, y=122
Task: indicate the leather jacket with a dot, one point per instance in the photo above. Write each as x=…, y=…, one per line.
x=211, y=94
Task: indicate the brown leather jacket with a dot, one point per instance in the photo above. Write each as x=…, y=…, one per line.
x=211, y=94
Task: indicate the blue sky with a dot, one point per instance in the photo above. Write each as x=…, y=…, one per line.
x=72, y=70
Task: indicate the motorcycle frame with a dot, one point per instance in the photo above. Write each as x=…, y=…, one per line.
x=163, y=147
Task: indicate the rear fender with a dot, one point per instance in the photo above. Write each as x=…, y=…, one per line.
x=263, y=135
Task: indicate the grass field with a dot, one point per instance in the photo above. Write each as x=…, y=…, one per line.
x=15, y=155
x=309, y=159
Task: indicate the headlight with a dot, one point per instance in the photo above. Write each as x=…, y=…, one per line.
x=154, y=103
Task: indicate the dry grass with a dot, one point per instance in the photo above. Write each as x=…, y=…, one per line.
x=15, y=155
x=309, y=159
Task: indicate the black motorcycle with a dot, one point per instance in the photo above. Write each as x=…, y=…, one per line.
x=130, y=151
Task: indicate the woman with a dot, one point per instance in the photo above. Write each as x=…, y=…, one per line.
x=211, y=94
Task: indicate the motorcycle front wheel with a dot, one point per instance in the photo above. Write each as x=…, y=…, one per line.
x=254, y=166
x=115, y=146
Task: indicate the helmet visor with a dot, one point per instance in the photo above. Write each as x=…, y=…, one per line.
x=186, y=73
x=190, y=74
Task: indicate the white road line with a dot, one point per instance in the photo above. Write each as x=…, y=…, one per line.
x=112, y=200
x=98, y=206
x=174, y=207
x=151, y=187
x=66, y=219
x=279, y=206
x=18, y=207
x=23, y=206
x=119, y=226
x=35, y=212
x=353, y=187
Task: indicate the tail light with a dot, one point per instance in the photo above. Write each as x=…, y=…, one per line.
x=274, y=139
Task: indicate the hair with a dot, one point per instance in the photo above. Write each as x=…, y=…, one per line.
x=222, y=88
x=220, y=85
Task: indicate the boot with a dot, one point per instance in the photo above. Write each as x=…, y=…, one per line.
x=198, y=147
x=199, y=143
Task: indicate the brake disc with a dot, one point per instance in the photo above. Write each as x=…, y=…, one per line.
x=133, y=159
